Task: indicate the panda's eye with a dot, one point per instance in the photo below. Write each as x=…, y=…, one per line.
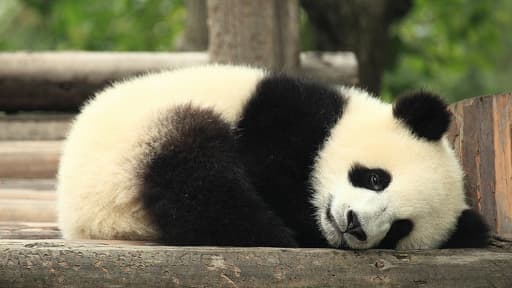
x=375, y=179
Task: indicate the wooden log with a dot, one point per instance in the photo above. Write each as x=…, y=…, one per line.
x=481, y=136
x=33, y=210
x=28, y=184
x=29, y=263
x=29, y=230
x=27, y=201
x=34, y=126
x=62, y=81
x=29, y=159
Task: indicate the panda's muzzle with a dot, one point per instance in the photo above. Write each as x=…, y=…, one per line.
x=354, y=226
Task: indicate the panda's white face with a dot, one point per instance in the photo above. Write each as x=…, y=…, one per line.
x=374, y=178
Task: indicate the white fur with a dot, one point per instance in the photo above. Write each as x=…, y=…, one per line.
x=426, y=185
x=114, y=133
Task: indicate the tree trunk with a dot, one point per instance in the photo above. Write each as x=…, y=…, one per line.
x=195, y=37
x=361, y=26
x=261, y=33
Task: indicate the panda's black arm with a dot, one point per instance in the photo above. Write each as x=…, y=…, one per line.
x=471, y=232
x=280, y=132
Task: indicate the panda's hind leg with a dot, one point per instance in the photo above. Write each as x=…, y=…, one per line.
x=196, y=191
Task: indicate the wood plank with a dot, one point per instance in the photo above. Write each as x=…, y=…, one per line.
x=62, y=81
x=57, y=263
x=29, y=159
x=34, y=126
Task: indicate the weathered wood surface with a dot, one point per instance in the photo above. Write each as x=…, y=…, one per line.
x=28, y=230
x=62, y=81
x=34, y=127
x=481, y=135
x=25, y=263
x=29, y=159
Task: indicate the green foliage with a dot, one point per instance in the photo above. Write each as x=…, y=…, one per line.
x=459, y=48
x=90, y=25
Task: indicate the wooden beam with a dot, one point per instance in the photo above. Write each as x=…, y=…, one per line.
x=29, y=159
x=28, y=230
x=27, y=200
x=29, y=263
x=62, y=81
x=30, y=127
x=481, y=135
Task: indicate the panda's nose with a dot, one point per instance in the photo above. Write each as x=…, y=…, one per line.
x=354, y=226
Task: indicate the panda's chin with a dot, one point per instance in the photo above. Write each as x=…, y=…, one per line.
x=352, y=242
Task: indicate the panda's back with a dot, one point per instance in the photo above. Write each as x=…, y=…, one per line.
x=119, y=129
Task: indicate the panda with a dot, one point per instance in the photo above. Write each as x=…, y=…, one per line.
x=224, y=155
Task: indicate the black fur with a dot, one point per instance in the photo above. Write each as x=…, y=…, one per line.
x=197, y=191
x=283, y=126
x=399, y=229
x=361, y=176
x=424, y=113
x=471, y=232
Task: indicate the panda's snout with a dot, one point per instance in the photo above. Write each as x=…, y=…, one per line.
x=354, y=227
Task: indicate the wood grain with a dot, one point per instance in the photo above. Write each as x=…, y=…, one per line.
x=30, y=127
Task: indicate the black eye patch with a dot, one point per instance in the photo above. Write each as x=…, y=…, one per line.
x=375, y=179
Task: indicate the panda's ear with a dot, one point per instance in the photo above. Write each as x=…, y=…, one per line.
x=424, y=113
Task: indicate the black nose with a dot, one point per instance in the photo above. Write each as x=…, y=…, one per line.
x=354, y=226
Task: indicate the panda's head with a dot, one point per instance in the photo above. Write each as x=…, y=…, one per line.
x=386, y=177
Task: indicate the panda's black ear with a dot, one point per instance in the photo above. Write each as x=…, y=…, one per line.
x=424, y=113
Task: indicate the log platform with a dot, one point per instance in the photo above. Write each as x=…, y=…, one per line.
x=32, y=253
x=44, y=263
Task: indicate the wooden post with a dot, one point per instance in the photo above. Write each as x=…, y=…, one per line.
x=262, y=33
x=481, y=134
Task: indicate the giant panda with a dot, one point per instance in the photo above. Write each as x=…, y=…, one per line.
x=227, y=155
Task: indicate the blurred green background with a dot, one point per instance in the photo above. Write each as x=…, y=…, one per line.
x=459, y=48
